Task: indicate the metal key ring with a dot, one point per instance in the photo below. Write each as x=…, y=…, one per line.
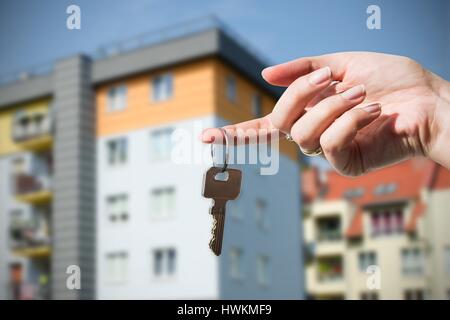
x=225, y=162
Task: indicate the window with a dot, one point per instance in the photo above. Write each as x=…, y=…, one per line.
x=383, y=189
x=117, y=208
x=235, y=208
x=117, y=151
x=369, y=296
x=413, y=262
x=116, y=267
x=262, y=218
x=231, y=89
x=163, y=202
x=262, y=270
x=329, y=229
x=117, y=98
x=414, y=294
x=164, y=262
x=161, y=144
x=366, y=259
x=162, y=87
x=353, y=193
x=236, y=271
x=447, y=260
x=257, y=105
x=387, y=222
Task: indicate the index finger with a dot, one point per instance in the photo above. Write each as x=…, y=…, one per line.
x=252, y=129
x=285, y=73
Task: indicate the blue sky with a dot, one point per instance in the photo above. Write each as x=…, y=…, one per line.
x=34, y=32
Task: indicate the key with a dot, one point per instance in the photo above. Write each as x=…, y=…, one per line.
x=220, y=191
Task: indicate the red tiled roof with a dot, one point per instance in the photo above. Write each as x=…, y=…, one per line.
x=409, y=178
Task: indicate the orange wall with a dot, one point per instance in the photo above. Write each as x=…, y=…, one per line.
x=199, y=90
x=193, y=96
x=241, y=110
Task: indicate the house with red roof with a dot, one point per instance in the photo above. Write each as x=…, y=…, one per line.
x=384, y=235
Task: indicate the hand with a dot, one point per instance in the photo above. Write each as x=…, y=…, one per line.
x=366, y=110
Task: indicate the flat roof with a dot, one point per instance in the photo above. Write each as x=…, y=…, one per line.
x=213, y=42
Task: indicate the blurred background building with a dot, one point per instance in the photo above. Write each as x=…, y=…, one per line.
x=87, y=177
x=395, y=218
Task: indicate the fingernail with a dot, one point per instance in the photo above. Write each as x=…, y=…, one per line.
x=320, y=76
x=372, y=108
x=354, y=93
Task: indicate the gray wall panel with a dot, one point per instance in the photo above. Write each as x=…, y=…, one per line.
x=74, y=177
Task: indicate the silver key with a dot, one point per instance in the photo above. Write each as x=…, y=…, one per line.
x=220, y=191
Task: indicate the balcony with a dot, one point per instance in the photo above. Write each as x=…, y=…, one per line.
x=32, y=131
x=32, y=189
x=330, y=269
x=30, y=237
x=329, y=236
x=30, y=291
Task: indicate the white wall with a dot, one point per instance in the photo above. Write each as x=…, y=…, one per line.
x=188, y=231
x=198, y=274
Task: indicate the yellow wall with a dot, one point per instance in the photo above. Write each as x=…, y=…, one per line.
x=199, y=90
x=7, y=145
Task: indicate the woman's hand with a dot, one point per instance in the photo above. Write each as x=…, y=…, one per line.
x=366, y=110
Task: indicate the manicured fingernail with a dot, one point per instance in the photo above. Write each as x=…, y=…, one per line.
x=354, y=93
x=320, y=76
x=372, y=108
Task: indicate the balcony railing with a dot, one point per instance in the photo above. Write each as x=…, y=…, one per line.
x=330, y=270
x=29, y=291
x=330, y=277
x=31, y=188
x=33, y=130
x=29, y=234
x=329, y=235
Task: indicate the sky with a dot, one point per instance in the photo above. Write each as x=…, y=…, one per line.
x=34, y=32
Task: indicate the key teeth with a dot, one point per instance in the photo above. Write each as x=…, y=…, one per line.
x=213, y=230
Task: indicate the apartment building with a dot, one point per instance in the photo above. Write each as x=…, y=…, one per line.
x=392, y=223
x=115, y=203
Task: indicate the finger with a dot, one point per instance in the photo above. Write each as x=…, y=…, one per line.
x=307, y=130
x=242, y=132
x=329, y=91
x=286, y=73
x=337, y=141
x=292, y=103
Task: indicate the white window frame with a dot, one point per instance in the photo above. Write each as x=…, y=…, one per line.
x=261, y=214
x=231, y=88
x=117, y=97
x=364, y=260
x=165, y=263
x=161, y=137
x=112, y=209
x=263, y=270
x=116, y=267
x=162, y=87
x=236, y=264
x=122, y=155
x=413, y=262
x=165, y=213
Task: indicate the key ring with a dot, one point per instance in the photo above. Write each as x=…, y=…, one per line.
x=225, y=162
